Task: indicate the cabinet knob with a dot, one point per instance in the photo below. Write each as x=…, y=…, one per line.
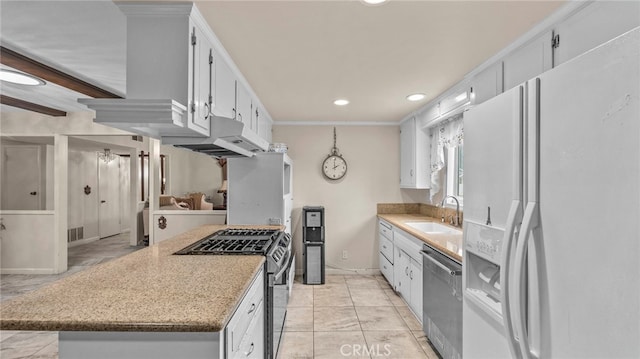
x=33, y=193
x=411, y=275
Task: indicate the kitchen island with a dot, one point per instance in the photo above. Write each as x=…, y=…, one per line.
x=150, y=303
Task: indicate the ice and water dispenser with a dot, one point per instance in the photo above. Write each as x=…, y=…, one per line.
x=313, y=240
x=483, y=251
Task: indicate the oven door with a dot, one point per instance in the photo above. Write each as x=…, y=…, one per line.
x=278, y=299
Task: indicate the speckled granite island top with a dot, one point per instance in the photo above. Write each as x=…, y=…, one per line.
x=449, y=244
x=148, y=290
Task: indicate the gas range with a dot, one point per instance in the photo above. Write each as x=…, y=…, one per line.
x=235, y=241
x=274, y=244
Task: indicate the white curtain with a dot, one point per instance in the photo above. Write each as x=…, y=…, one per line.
x=448, y=134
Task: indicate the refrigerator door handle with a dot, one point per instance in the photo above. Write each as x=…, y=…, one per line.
x=529, y=222
x=515, y=213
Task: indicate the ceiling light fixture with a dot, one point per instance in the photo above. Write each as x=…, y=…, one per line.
x=20, y=78
x=341, y=102
x=107, y=156
x=416, y=97
x=374, y=2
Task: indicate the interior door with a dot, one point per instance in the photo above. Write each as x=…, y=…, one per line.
x=109, y=197
x=21, y=182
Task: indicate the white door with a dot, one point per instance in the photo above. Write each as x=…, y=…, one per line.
x=407, y=153
x=590, y=204
x=415, y=274
x=109, y=198
x=21, y=182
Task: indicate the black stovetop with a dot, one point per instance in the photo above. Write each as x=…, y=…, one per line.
x=234, y=241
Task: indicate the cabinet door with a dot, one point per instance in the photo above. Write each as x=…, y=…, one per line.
x=255, y=117
x=401, y=278
x=243, y=104
x=201, y=81
x=264, y=126
x=225, y=90
x=407, y=153
x=415, y=274
x=487, y=84
x=593, y=26
x=528, y=61
x=414, y=156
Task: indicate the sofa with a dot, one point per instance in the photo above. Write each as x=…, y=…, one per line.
x=193, y=201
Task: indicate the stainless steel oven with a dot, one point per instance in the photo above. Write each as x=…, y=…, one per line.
x=279, y=271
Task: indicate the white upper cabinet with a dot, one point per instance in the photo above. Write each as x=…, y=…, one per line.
x=225, y=94
x=414, y=155
x=265, y=124
x=455, y=100
x=528, y=61
x=243, y=105
x=595, y=25
x=168, y=57
x=487, y=84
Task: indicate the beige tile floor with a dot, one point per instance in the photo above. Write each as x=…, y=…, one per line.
x=352, y=316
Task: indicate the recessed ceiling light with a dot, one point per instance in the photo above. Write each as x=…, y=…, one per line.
x=20, y=78
x=374, y=2
x=416, y=97
x=341, y=102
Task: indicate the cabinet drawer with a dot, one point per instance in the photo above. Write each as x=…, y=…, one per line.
x=386, y=248
x=252, y=344
x=385, y=230
x=386, y=268
x=247, y=310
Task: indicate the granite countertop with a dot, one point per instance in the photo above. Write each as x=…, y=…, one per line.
x=449, y=244
x=148, y=290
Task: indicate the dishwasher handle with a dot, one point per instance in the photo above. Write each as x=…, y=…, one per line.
x=451, y=272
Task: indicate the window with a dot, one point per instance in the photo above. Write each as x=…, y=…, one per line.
x=447, y=156
x=455, y=174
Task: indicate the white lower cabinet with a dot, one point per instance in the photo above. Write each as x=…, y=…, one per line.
x=407, y=272
x=245, y=331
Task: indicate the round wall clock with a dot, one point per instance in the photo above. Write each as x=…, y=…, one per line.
x=334, y=167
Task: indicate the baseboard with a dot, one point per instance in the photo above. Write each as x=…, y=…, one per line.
x=82, y=241
x=27, y=271
x=342, y=271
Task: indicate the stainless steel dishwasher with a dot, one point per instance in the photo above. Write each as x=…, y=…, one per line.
x=442, y=302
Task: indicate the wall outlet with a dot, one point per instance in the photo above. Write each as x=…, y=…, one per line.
x=345, y=254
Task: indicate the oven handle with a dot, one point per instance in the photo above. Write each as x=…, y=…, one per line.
x=284, y=268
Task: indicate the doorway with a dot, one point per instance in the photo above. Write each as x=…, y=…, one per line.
x=109, y=204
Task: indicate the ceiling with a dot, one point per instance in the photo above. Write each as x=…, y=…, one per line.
x=298, y=56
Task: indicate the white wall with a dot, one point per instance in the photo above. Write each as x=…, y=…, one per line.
x=373, y=176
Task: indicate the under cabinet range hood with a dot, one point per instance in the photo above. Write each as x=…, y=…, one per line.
x=166, y=119
x=172, y=59
x=230, y=138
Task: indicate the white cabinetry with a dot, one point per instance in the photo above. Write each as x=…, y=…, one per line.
x=599, y=22
x=414, y=155
x=487, y=84
x=245, y=331
x=260, y=190
x=173, y=41
x=243, y=105
x=385, y=236
x=528, y=61
x=407, y=273
x=225, y=94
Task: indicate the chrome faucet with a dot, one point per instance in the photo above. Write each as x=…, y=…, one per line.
x=454, y=221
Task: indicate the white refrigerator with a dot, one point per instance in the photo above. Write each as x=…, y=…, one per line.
x=552, y=213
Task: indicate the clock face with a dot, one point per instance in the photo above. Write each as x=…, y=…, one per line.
x=334, y=167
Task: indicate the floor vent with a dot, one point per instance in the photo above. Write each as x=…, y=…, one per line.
x=74, y=234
